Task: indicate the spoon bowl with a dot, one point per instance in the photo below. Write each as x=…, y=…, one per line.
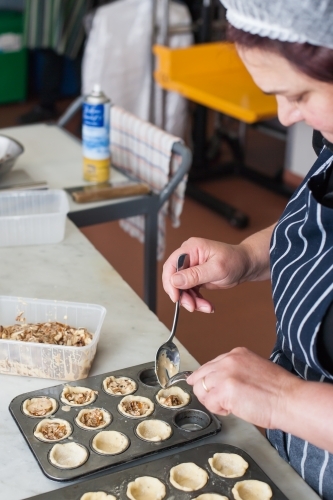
x=167, y=360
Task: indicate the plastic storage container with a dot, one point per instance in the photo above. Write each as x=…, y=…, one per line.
x=45, y=360
x=32, y=217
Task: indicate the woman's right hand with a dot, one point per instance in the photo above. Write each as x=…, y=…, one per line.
x=215, y=265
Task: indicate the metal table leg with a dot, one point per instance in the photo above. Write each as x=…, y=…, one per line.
x=150, y=257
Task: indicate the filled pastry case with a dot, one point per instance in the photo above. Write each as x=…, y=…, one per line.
x=80, y=428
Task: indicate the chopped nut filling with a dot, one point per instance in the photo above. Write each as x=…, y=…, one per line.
x=92, y=418
x=171, y=400
x=46, y=333
x=78, y=398
x=135, y=408
x=120, y=386
x=39, y=407
x=54, y=431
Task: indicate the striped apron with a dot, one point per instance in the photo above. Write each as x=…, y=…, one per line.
x=301, y=256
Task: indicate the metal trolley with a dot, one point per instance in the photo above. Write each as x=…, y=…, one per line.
x=147, y=205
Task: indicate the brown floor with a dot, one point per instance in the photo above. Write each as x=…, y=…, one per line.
x=243, y=315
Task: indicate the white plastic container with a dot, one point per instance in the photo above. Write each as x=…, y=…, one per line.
x=44, y=360
x=32, y=217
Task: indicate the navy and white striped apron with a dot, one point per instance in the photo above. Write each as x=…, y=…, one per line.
x=302, y=282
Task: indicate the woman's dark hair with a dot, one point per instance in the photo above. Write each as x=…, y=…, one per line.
x=316, y=62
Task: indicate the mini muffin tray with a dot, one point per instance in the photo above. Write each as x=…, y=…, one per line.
x=188, y=423
x=116, y=483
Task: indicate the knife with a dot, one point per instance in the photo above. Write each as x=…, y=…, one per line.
x=107, y=191
x=24, y=185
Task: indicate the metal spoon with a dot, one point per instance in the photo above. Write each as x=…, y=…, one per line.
x=167, y=360
x=178, y=378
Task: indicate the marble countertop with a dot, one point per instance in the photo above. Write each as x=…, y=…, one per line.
x=73, y=270
x=53, y=155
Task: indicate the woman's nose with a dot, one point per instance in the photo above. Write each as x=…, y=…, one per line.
x=288, y=112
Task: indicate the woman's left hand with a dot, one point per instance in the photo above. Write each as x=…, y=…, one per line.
x=243, y=383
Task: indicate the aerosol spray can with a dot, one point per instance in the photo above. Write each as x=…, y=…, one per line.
x=96, y=136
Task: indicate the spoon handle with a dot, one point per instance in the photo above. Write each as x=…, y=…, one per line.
x=178, y=378
x=175, y=321
x=183, y=262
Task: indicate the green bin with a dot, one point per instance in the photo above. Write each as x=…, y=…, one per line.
x=13, y=65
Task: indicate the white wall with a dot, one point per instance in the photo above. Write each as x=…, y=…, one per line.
x=300, y=155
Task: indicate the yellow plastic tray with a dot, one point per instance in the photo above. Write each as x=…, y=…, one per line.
x=212, y=74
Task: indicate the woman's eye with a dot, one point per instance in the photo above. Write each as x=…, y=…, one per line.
x=297, y=99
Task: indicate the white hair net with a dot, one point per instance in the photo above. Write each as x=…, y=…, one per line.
x=285, y=20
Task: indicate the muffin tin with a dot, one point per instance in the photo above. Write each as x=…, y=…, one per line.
x=116, y=483
x=188, y=423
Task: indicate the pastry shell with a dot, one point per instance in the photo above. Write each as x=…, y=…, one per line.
x=153, y=430
x=228, y=465
x=110, y=443
x=38, y=430
x=138, y=399
x=107, y=419
x=72, y=389
x=132, y=385
x=163, y=394
x=38, y=402
x=68, y=455
x=252, y=489
x=97, y=495
x=210, y=496
x=187, y=476
x=146, y=488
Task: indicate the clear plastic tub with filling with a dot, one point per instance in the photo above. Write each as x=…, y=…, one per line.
x=59, y=362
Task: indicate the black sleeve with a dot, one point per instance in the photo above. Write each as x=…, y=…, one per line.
x=317, y=141
x=325, y=341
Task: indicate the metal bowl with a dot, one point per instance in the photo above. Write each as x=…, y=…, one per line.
x=10, y=150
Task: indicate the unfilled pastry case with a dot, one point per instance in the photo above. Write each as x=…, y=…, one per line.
x=189, y=423
x=115, y=483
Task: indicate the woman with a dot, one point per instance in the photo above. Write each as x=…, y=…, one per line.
x=288, y=49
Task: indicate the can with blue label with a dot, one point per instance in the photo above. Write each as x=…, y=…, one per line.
x=96, y=136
